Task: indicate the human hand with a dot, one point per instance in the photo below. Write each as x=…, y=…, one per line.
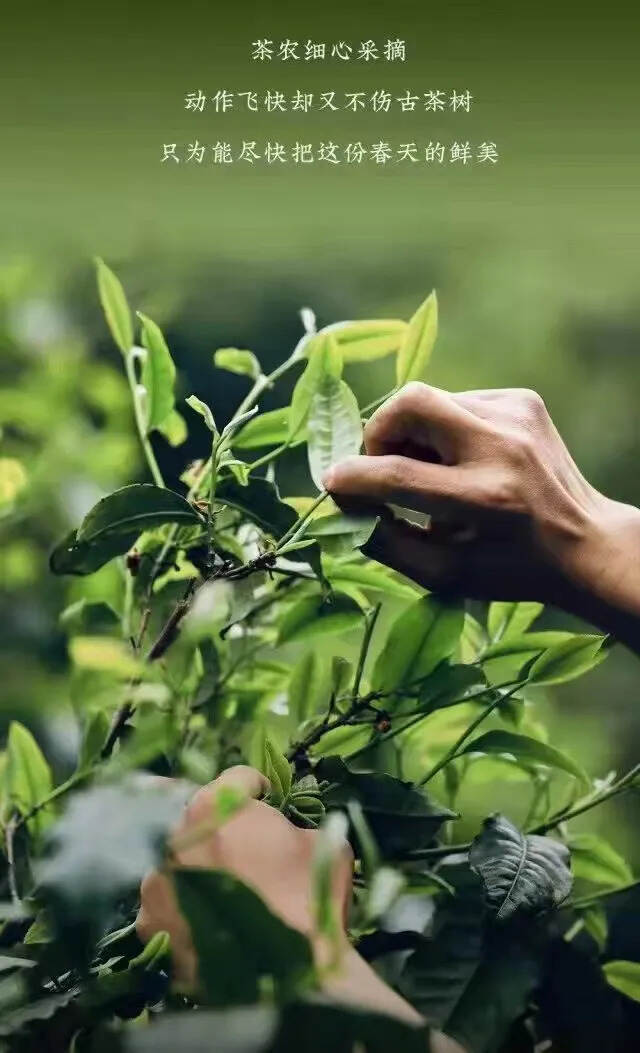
x=275, y=858
x=511, y=515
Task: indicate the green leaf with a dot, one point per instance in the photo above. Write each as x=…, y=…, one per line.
x=71, y=556
x=243, y=363
x=138, y=507
x=335, y=429
x=424, y=635
x=527, y=750
x=230, y=924
x=365, y=341
x=520, y=873
x=325, y=361
x=469, y=979
x=625, y=977
x=568, y=660
x=201, y=407
x=315, y=616
x=158, y=374
x=260, y=502
x=115, y=307
x=309, y=685
x=340, y=533
x=595, y=923
x=86, y=617
x=107, y=840
x=368, y=576
x=401, y=816
x=450, y=685
x=248, y=1029
x=93, y=739
x=594, y=859
x=504, y=660
x=27, y=775
x=511, y=619
x=277, y=769
x=419, y=341
x=267, y=429
x=174, y=428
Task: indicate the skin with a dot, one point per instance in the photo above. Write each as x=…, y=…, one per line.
x=510, y=517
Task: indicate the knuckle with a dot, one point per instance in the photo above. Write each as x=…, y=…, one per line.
x=412, y=397
x=532, y=402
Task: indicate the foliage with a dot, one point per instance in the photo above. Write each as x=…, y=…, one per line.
x=204, y=653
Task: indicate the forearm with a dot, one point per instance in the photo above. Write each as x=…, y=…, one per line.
x=603, y=582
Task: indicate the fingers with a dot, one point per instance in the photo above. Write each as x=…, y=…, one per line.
x=422, y=416
x=405, y=481
x=242, y=777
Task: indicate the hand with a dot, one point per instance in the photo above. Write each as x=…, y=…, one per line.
x=511, y=515
x=267, y=852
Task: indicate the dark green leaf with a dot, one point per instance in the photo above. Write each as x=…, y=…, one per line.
x=71, y=556
x=310, y=685
x=520, y=873
x=317, y=616
x=341, y=534
x=401, y=816
x=138, y=507
x=526, y=749
x=419, y=341
x=158, y=374
x=424, y=634
x=230, y=924
x=260, y=502
x=450, y=684
x=115, y=306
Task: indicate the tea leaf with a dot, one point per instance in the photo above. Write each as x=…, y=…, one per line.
x=594, y=859
x=568, y=660
x=511, y=619
x=341, y=534
x=625, y=977
x=314, y=616
x=421, y=637
x=419, y=341
x=158, y=374
x=267, y=429
x=27, y=775
x=115, y=307
x=335, y=429
x=524, y=748
x=138, y=507
x=201, y=407
x=243, y=363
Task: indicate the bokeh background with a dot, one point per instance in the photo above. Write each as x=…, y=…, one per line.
x=536, y=261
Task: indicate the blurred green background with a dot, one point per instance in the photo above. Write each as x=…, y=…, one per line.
x=536, y=260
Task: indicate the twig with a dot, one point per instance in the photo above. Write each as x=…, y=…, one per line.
x=623, y=783
x=370, y=625
x=9, y=833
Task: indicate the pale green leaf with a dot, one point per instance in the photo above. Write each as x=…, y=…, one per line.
x=335, y=429
x=158, y=374
x=594, y=859
x=419, y=341
x=201, y=407
x=27, y=775
x=234, y=360
x=568, y=660
x=625, y=977
x=511, y=619
x=115, y=306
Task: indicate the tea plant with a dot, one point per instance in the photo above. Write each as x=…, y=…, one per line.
x=251, y=628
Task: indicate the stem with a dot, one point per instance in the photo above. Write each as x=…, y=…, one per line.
x=129, y=360
x=364, y=649
x=294, y=531
x=9, y=834
x=589, y=901
x=623, y=783
x=64, y=787
x=271, y=456
x=212, y=496
x=451, y=754
x=377, y=402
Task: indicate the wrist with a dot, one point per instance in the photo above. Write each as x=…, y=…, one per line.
x=601, y=571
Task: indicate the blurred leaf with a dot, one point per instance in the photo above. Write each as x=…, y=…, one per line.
x=267, y=429
x=526, y=749
x=568, y=660
x=103, y=654
x=419, y=341
x=594, y=859
x=260, y=501
x=248, y=1029
x=13, y=479
x=230, y=924
x=421, y=637
x=278, y=771
x=158, y=374
x=401, y=816
x=174, y=428
x=232, y=359
x=107, y=840
x=93, y=739
x=27, y=775
x=625, y=977
x=340, y=533
x=115, y=307
x=595, y=923
x=511, y=619
x=328, y=851
x=201, y=407
x=335, y=430
x=316, y=616
x=91, y=618
x=309, y=685
x=520, y=873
